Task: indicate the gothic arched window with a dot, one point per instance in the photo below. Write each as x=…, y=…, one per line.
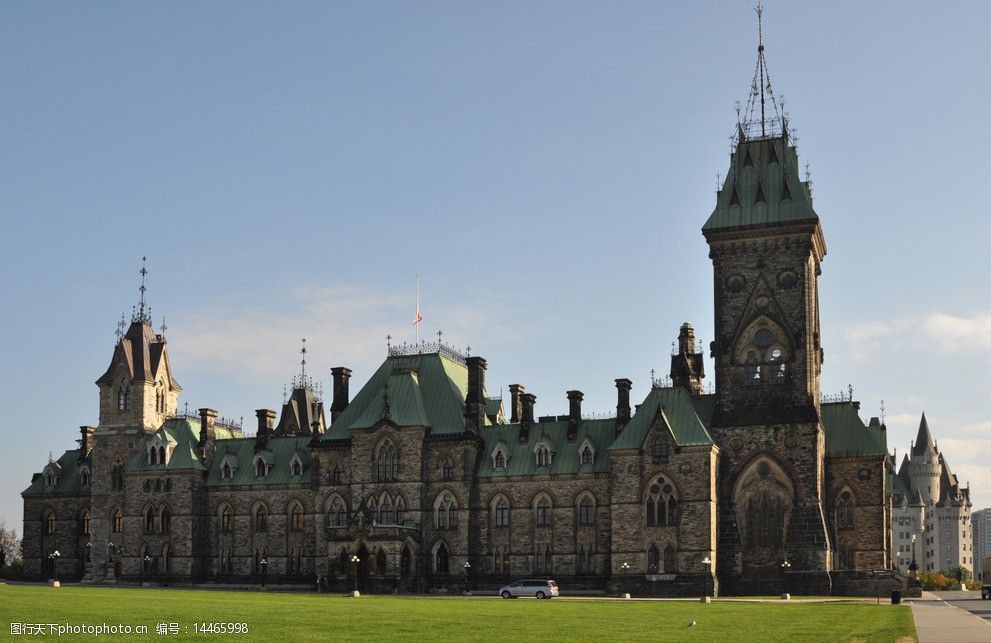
x=661, y=504
x=261, y=468
x=441, y=560
x=385, y=510
x=84, y=523
x=261, y=518
x=166, y=519
x=762, y=354
x=501, y=513
x=448, y=472
x=844, y=511
x=386, y=462
x=337, y=475
x=400, y=510
x=543, y=512
x=49, y=522
x=653, y=560
x=117, y=521
x=296, y=517
x=670, y=564
x=226, y=518
x=586, y=511
x=446, y=510
x=117, y=475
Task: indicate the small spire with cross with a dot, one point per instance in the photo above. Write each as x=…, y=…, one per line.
x=388, y=343
x=440, y=334
x=164, y=327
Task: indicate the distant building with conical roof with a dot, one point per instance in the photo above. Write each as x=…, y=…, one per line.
x=931, y=518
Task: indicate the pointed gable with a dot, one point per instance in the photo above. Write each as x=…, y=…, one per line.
x=923, y=441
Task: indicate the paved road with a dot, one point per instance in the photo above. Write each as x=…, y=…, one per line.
x=970, y=601
x=945, y=617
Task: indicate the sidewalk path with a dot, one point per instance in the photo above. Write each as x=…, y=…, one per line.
x=939, y=621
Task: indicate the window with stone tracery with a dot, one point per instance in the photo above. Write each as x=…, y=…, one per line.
x=661, y=503
x=844, y=511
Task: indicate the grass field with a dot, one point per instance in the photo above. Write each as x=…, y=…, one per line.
x=303, y=617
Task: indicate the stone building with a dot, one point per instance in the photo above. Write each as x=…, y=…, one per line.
x=421, y=475
x=933, y=508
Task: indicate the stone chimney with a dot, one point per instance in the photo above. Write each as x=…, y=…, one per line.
x=266, y=422
x=515, y=402
x=342, y=377
x=574, y=413
x=208, y=426
x=475, y=399
x=527, y=402
x=687, y=365
x=86, y=440
x=623, y=387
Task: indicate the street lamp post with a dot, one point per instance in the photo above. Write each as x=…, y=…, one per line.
x=264, y=564
x=877, y=593
x=785, y=566
x=625, y=567
x=147, y=567
x=467, y=578
x=55, y=555
x=705, y=580
x=354, y=574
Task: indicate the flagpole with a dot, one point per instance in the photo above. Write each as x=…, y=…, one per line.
x=416, y=313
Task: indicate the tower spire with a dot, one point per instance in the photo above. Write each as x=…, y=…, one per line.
x=302, y=364
x=142, y=315
x=761, y=92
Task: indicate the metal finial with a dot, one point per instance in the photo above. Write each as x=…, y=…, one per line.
x=849, y=389
x=760, y=58
x=144, y=273
x=440, y=334
x=302, y=363
x=882, y=411
x=388, y=342
x=468, y=352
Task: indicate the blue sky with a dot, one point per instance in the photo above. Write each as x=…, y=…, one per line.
x=288, y=168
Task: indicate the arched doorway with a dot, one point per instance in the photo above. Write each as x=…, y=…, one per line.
x=763, y=497
x=364, y=564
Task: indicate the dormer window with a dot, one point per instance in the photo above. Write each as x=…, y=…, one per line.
x=296, y=466
x=543, y=455
x=153, y=456
x=261, y=468
x=50, y=478
x=586, y=453
x=499, y=457
x=84, y=476
x=226, y=470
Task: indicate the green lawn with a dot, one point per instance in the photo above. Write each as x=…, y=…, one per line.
x=302, y=617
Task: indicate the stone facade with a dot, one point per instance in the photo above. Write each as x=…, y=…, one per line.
x=419, y=483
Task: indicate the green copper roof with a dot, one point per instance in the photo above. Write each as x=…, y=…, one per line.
x=278, y=453
x=687, y=415
x=762, y=187
x=565, y=454
x=846, y=433
x=181, y=435
x=67, y=469
x=421, y=390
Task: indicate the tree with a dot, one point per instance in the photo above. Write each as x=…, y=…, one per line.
x=10, y=545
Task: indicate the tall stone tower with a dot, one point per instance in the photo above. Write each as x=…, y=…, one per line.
x=925, y=468
x=766, y=247
x=137, y=394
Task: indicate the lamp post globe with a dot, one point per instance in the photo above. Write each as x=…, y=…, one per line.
x=55, y=555
x=354, y=573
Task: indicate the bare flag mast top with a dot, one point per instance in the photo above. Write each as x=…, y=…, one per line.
x=417, y=317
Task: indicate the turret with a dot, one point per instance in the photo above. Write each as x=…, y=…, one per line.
x=687, y=364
